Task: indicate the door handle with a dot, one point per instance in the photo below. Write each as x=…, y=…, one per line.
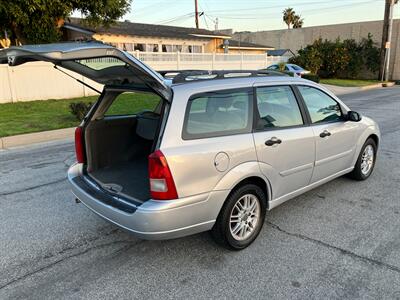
x=324, y=133
x=274, y=140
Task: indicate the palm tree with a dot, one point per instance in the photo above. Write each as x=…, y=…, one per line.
x=297, y=21
x=288, y=16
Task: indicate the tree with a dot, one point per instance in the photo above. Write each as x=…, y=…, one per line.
x=288, y=16
x=39, y=21
x=297, y=21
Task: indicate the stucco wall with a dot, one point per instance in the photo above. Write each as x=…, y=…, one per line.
x=294, y=39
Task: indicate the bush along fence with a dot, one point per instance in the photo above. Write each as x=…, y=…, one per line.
x=340, y=59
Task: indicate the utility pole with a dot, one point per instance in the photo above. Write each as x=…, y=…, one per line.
x=216, y=24
x=196, y=14
x=386, y=39
x=388, y=43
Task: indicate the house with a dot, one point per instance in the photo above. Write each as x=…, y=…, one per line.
x=235, y=46
x=281, y=52
x=157, y=38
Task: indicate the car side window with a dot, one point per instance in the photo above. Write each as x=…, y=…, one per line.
x=273, y=67
x=218, y=113
x=322, y=108
x=277, y=107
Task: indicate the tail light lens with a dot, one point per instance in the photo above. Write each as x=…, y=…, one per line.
x=162, y=185
x=79, y=148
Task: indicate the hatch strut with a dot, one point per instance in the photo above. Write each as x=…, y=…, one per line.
x=80, y=81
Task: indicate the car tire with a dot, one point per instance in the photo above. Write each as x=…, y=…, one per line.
x=241, y=217
x=366, y=161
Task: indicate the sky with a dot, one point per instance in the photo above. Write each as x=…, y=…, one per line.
x=255, y=15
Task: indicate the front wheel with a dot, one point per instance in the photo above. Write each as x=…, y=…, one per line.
x=366, y=161
x=241, y=218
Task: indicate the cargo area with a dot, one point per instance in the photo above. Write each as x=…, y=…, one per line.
x=118, y=140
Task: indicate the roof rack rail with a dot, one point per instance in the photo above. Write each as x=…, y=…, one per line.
x=180, y=76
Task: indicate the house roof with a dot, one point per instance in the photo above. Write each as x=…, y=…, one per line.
x=279, y=52
x=141, y=29
x=240, y=44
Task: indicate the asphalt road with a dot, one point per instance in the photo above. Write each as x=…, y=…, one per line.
x=341, y=240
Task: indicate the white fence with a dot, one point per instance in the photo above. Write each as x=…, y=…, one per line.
x=40, y=81
x=206, y=61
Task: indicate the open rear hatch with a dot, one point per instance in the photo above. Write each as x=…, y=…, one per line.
x=99, y=62
x=122, y=129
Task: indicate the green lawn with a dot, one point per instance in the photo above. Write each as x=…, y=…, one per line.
x=34, y=116
x=349, y=82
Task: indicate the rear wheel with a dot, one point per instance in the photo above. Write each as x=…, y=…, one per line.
x=241, y=218
x=366, y=161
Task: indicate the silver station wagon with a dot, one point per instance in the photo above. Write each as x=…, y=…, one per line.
x=192, y=151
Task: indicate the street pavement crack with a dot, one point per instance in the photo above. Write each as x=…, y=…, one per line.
x=32, y=187
x=125, y=247
x=341, y=250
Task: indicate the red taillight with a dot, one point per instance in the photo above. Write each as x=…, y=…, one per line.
x=162, y=186
x=79, y=149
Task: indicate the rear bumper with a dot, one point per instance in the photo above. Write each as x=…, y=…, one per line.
x=152, y=219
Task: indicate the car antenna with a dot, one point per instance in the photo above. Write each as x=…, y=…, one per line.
x=80, y=81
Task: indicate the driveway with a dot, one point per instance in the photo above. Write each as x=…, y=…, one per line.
x=341, y=240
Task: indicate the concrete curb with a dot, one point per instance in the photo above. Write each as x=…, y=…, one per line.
x=37, y=137
x=341, y=90
x=371, y=86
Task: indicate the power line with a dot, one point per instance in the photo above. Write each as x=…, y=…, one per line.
x=185, y=16
x=255, y=17
x=280, y=6
x=204, y=16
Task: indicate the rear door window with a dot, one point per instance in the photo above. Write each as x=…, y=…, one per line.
x=218, y=113
x=132, y=103
x=277, y=107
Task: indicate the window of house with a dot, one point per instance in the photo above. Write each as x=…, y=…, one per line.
x=322, y=108
x=140, y=47
x=152, y=47
x=128, y=47
x=172, y=48
x=177, y=48
x=166, y=48
x=277, y=107
x=218, y=113
x=191, y=49
x=197, y=49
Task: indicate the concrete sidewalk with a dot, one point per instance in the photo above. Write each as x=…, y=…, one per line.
x=37, y=137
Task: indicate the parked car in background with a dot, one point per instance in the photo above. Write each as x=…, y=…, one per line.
x=210, y=150
x=295, y=69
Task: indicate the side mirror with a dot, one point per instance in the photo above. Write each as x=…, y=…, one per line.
x=354, y=116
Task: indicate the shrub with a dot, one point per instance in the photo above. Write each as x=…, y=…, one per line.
x=312, y=77
x=340, y=59
x=309, y=57
x=80, y=109
x=281, y=66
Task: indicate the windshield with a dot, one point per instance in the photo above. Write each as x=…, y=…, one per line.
x=297, y=68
